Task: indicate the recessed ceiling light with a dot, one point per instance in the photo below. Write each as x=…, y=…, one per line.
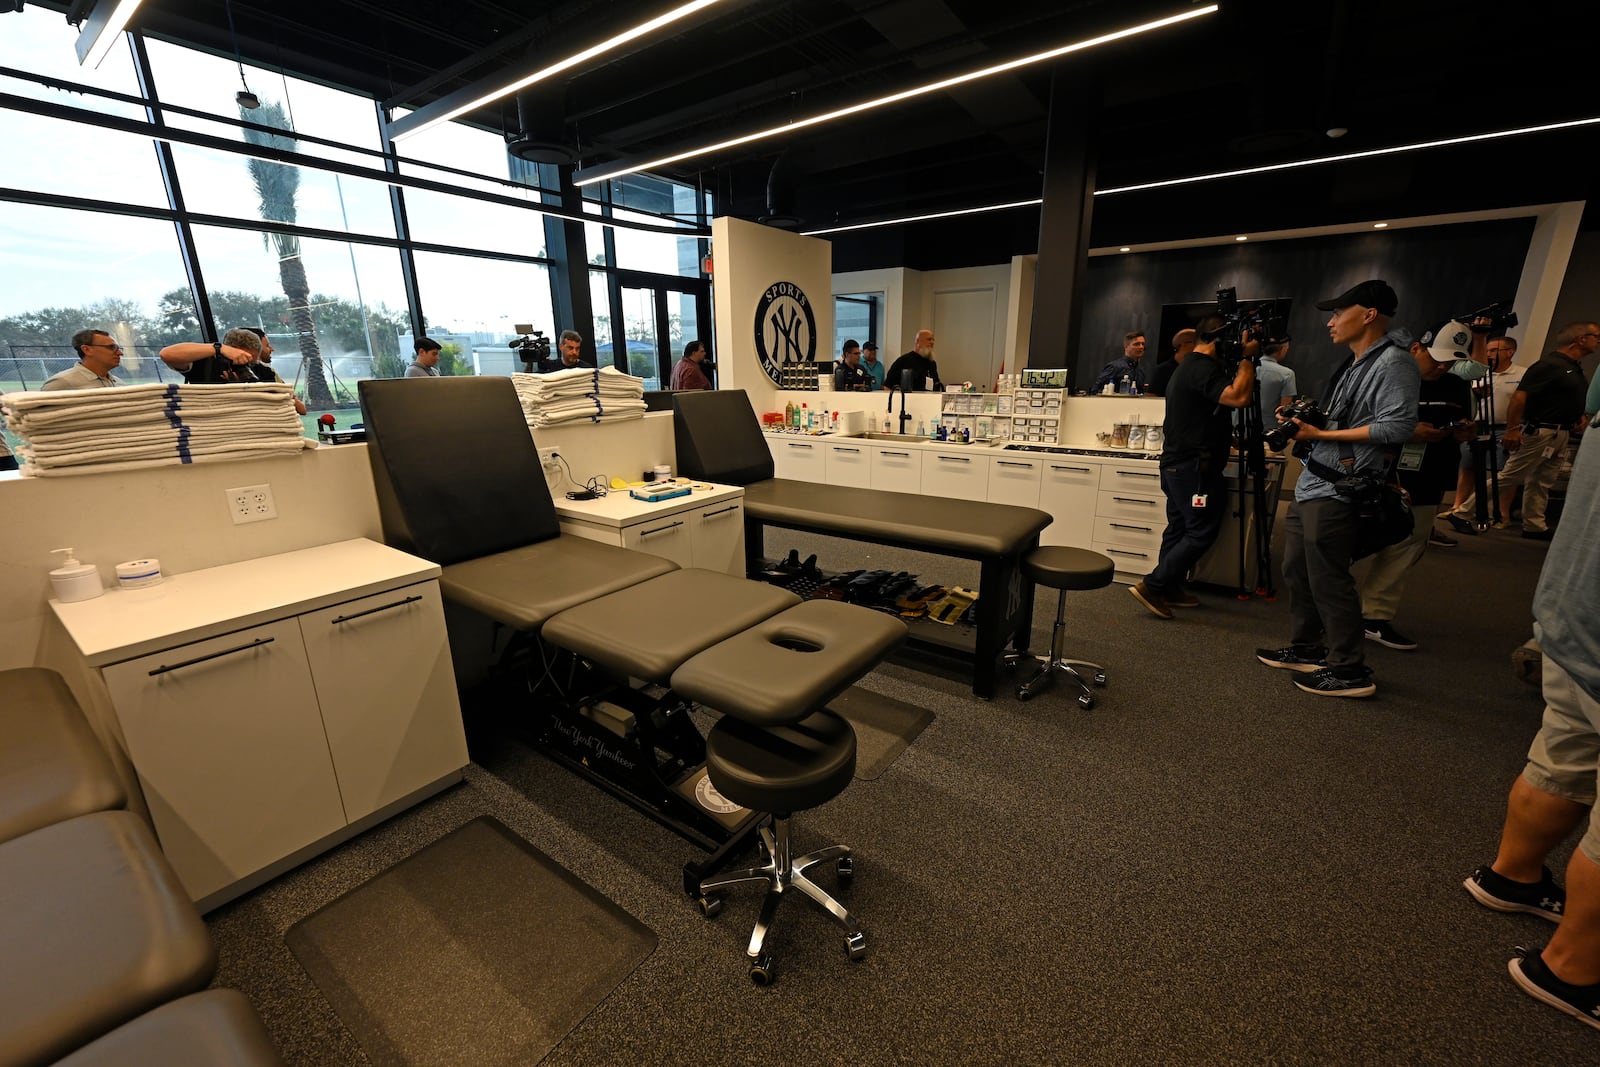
x=1380, y=225
x=1124, y=248
x=600, y=174
x=1319, y=160
x=1241, y=237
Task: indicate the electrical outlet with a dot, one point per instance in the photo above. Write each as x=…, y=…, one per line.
x=547, y=458
x=251, y=503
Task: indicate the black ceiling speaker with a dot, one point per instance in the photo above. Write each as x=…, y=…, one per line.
x=780, y=197
x=538, y=133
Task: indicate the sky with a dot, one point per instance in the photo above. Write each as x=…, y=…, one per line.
x=59, y=257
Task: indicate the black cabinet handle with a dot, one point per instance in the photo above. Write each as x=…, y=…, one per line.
x=1120, y=552
x=1013, y=463
x=257, y=643
x=1124, y=526
x=841, y=448
x=955, y=459
x=796, y=444
x=888, y=453
x=381, y=607
x=1136, y=474
x=659, y=529
x=1080, y=470
x=1134, y=500
x=722, y=511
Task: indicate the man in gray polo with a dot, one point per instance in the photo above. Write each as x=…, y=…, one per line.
x=426, y=364
x=98, y=356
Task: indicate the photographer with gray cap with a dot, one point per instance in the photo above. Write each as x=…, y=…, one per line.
x=1369, y=412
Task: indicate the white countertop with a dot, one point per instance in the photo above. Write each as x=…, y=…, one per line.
x=618, y=508
x=123, y=624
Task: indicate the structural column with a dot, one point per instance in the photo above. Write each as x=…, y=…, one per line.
x=1064, y=217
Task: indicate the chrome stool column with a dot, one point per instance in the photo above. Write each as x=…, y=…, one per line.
x=1062, y=568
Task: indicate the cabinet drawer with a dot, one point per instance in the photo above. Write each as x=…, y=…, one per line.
x=1015, y=481
x=1131, y=477
x=1129, y=559
x=382, y=670
x=960, y=477
x=798, y=459
x=667, y=537
x=1138, y=533
x=1138, y=506
x=716, y=537
x=848, y=465
x=228, y=743
x=897, y=470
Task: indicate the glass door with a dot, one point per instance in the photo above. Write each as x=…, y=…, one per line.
x=658, y=321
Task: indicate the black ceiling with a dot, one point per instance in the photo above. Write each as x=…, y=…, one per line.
x=1257, y=83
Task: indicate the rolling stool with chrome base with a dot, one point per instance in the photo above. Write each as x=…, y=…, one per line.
x=1063, y=568
x=779, y=750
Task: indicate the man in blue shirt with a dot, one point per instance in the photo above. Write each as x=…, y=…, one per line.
x=1128, y=365
x=870, y=364
x=1371, y=410
x=1277, y=381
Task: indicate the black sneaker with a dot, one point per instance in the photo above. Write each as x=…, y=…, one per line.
x=1294, y=658
x=1152, y=600
x=1582, y=1002
x=1494, y=890
x=1461, y=525
x=1381, y=631
x=1439, y=540
x=1338, y=682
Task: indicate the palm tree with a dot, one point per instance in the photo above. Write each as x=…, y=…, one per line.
x=276, y=186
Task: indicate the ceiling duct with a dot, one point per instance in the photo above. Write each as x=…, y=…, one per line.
x=538, y=133
x=780, y=197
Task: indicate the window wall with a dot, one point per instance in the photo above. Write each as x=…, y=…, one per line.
x=298, y=232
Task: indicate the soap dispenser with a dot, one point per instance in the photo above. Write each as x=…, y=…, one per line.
x=74, y=581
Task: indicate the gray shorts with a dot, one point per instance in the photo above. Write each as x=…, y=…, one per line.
x=1564, y=759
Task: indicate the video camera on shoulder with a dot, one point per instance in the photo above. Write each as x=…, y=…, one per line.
x=1304, y=409
x=531, y=347
x=1260, y=320
x=1500, y=314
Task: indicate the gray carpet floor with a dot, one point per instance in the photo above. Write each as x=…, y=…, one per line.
x=1209, y=867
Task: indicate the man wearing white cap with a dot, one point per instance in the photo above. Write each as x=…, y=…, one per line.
x=1427, y=467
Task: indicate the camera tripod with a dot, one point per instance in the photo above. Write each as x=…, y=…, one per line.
x=1485, y=471
x=1256, y=502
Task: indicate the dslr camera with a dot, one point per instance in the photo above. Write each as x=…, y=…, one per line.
x=1500, y=314
x=531, y=347
x=1305, y=410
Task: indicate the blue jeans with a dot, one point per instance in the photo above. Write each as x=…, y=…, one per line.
x=1191, y=529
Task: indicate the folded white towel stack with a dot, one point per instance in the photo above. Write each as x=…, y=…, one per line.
x=86, y=431
x=582, y=394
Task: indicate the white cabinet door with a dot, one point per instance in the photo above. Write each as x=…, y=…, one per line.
x=848, y=465
x=381, y=666
x=1014, y=479
x=955, y=475
x=1068, y=490
x=232, y=758
x=897, y=470
x=669, y=537
x=799, y=459
x=716, y=537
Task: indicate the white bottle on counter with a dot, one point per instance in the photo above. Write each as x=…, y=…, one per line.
x=74, y=581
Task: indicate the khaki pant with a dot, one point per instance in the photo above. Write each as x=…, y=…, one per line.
x=1535, y=472
x=1385, y=581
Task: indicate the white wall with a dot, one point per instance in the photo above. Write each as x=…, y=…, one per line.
x=749, y=259
x=175, y=514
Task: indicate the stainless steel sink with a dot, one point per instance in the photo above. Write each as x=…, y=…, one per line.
x=903, y=438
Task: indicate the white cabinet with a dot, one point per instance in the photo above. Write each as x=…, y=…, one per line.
x=896, y=470
x=1014, y=479
x=228, y=741
x=1069, y=488
x=276, y=706
x=703, y=529
x=1130, y=515
x=847, y=464
x=798, y=458
x=959, y=476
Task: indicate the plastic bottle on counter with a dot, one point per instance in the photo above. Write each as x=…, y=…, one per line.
x=1126, y=387
x=805, y=417
x=922, y=428
x=788, y=415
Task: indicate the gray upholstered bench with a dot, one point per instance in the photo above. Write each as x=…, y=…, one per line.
x=777, y=749
x=719, y=439
x=51, y=765
x=96, y=930
x=217, y=1028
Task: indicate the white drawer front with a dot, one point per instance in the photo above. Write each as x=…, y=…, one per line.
x=1015, y=481
x=897, y=470
x=1130, y=559
x=799, y=460
x=1138, y=533
x=848, y=465
x=1131, y=478
x=669, y=538
x=957, y=476
x=1136, y=506
x=717, y=537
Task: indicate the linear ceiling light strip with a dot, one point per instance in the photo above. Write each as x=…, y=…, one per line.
x=442, y=111
x=618, y=170
x=101, y=31
x=923, y=218
x=1319, y=160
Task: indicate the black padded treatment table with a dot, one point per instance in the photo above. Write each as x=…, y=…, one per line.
x=720, y=440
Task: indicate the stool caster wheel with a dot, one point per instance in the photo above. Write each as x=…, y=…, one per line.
x=1100, y=678
x=1086, y=702
x=710, y=905
x=761, y=970
x=855, y=946
x=1024, y=693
